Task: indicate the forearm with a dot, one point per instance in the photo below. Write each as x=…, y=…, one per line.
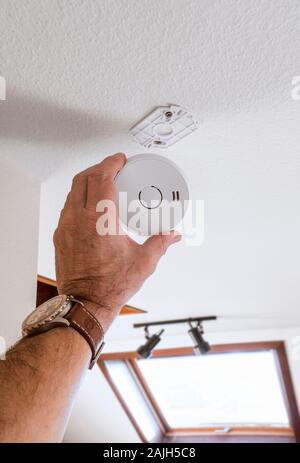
x=38, y=381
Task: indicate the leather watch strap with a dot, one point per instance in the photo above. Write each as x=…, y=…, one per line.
x=88, y=326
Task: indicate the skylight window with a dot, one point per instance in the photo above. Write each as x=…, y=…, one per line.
x=235, y=392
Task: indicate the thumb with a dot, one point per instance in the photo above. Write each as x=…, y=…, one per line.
x=157, y=245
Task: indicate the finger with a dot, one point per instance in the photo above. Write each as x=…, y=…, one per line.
x=100, y=182
x=156, y=246
x=99, y=188
x=78, y=191
x=110, y=166
x=66, y=214
x=101, y=199
x=107, y=169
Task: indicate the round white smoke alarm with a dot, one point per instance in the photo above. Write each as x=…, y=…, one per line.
x=152, y=194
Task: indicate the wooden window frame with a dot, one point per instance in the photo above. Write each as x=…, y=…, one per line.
x=165, y=432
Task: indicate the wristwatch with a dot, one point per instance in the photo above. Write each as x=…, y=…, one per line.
x=66, y=311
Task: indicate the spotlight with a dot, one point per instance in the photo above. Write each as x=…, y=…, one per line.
x=201, y=346
x=146, y=349
x=196, y=333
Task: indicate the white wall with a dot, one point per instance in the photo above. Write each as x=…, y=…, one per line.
x=97, y=415
x=19, y=212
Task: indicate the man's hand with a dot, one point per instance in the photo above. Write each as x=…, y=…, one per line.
x=41, y=374
x=103, y=271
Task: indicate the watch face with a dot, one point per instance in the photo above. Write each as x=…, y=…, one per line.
x=58, y=305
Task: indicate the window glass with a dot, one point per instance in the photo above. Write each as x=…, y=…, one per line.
x=133, y=397
x=214, y=389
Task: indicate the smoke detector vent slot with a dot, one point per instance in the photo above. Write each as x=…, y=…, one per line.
x=175, y=196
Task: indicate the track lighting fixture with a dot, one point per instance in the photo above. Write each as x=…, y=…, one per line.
x=146, y=349
x=196, y=332
x=201, y=346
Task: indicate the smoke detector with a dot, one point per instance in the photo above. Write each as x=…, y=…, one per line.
x=164, y=126
x=152, y=194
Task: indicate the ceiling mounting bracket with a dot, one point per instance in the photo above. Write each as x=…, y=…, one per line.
x=164, y=126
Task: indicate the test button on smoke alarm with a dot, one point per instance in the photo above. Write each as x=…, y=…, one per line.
x=150, y=197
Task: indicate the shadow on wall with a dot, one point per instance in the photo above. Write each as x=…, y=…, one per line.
x=37, y=120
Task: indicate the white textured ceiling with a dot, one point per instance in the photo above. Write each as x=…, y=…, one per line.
x=80, y=73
